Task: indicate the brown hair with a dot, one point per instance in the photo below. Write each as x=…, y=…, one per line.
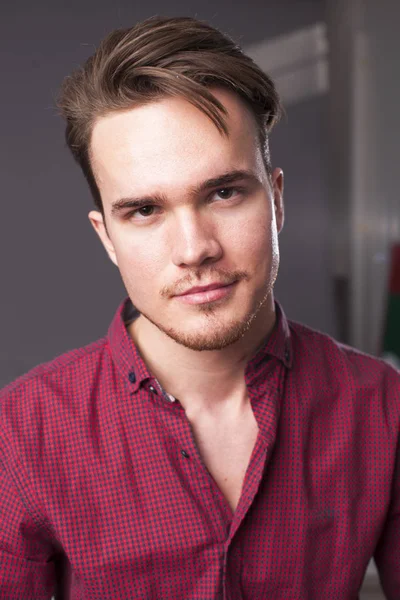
x=156, y=58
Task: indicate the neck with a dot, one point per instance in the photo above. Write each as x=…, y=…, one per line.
x=206, y=378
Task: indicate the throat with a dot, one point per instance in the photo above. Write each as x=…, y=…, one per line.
x=225, y=444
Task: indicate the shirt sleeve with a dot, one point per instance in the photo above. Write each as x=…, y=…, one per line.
x=26, y=569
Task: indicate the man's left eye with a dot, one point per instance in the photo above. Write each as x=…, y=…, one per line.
x=226, y=193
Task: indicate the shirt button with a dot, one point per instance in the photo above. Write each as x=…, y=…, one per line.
x=184, y=453
x=287, y=355
x=152, y=389
x=132, y=377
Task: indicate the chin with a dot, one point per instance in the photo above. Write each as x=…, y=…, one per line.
x=211, y=333
x=216, y=340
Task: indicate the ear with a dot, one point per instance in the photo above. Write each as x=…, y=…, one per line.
x=97, y=220
x=277, y=189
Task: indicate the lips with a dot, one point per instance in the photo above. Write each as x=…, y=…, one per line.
x=206, y=288
x=207, y=293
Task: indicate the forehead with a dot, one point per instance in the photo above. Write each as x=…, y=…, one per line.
x=169, y=145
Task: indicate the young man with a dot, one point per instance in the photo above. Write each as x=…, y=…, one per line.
x=207, y=447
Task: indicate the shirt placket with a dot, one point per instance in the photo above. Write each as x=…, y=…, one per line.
x=177, y=423
x=266, y=411
x=225, y=523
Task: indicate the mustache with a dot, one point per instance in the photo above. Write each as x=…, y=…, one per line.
x=200, y=278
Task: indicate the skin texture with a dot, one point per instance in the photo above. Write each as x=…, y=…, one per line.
x=164, y=151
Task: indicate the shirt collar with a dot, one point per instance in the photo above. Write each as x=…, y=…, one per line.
x=133, y=369
x=278, y=343
x=123, y=350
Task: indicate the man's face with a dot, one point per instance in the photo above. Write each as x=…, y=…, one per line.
x=187, y=207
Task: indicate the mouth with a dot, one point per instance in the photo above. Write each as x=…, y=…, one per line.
x=208, y=293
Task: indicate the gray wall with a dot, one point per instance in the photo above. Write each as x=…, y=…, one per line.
x=58, y=290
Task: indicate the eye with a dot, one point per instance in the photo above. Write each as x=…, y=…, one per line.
x=142, y=213
x=225, y=193
x=145, y=211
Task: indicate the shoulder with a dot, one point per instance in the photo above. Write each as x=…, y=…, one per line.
x=64, y=368
x=324, y=357
x=51, y=392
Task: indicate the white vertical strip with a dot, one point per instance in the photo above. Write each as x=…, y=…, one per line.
x=373, y=217
x=360, y=182
x=297, y=62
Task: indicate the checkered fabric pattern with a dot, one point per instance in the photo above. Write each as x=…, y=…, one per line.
x=103, y=493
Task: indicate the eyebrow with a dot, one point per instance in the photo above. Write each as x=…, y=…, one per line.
x=216, y=182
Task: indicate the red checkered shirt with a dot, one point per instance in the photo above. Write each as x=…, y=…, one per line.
x=103, y=493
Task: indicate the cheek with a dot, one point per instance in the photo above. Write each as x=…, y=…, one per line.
x=140, y=261
x=251, y=239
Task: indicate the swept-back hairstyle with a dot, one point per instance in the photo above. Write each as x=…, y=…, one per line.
x=163, y=57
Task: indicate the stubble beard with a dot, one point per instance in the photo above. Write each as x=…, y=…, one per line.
x=217, y=338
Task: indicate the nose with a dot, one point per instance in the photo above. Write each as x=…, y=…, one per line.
x=194, y=240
